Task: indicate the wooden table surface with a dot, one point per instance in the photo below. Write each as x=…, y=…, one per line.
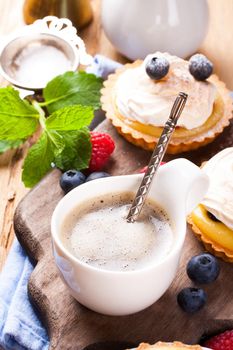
x=217, y=46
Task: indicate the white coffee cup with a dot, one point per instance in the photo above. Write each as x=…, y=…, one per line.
x=178, y=187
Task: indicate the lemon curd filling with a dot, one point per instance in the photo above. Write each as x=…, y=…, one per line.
x=180, y=132
x=216, y=231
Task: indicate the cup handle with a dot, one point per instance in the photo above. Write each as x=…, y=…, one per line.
x=183, y=181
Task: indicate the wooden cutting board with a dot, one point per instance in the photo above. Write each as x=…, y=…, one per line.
x=72, y=326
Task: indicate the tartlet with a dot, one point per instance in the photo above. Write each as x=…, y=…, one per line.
x=168, y=346
x=212, y=219
x=135, y=103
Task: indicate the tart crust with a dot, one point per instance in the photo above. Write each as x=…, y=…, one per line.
x=167, y=346
x=192, y=140
x=211, y=246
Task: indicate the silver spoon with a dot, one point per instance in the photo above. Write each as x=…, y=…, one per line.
x=157, y=157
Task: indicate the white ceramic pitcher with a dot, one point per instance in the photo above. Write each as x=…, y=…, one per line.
x=137, y=28
x=178, y=187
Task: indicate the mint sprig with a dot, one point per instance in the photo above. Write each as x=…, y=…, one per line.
x=38, y=161
x=7, y=144
x=77, y=150
x=65, y=138
x=70, y=118
x=18, y=119
x=72, y=88
x=65, y=141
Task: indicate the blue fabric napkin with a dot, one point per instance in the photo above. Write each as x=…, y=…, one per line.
x=103, y=66
x=20, y=328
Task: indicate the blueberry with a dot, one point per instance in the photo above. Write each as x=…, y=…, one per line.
x=191, y=299
x=157, y=67
x=97, y=175
x=203, y=268
x=71, y=179
x=200, y=67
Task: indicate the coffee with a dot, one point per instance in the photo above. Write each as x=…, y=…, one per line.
x=98, y=234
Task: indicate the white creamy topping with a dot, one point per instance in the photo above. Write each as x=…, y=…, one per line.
x=219, y=198
x=38, y=64
x=148, y=101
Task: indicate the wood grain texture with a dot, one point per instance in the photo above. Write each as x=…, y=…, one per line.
x=217, y=45
x=218, y=42
x=72, y=326
x=11, y=187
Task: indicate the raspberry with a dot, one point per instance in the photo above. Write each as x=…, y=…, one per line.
x=223, y=341
x=102, y=148
x=143, y=170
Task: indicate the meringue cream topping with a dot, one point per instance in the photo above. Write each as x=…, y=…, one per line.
x=140, y=98
x=219, y=197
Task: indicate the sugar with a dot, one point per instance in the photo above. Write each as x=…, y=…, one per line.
x=38, y=64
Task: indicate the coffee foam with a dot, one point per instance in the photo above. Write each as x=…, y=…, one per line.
x=98, y=234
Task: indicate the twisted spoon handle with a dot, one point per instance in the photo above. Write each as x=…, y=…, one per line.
x=157, y=157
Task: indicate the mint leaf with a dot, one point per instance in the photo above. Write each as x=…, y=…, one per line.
x=40, y=156
x=70, y=118
x=18, y=119
x=72, y=88
x=56, y=140
x=5, y=144
x=77, y=151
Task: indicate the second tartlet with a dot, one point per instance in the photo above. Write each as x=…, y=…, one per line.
x=212, y=219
